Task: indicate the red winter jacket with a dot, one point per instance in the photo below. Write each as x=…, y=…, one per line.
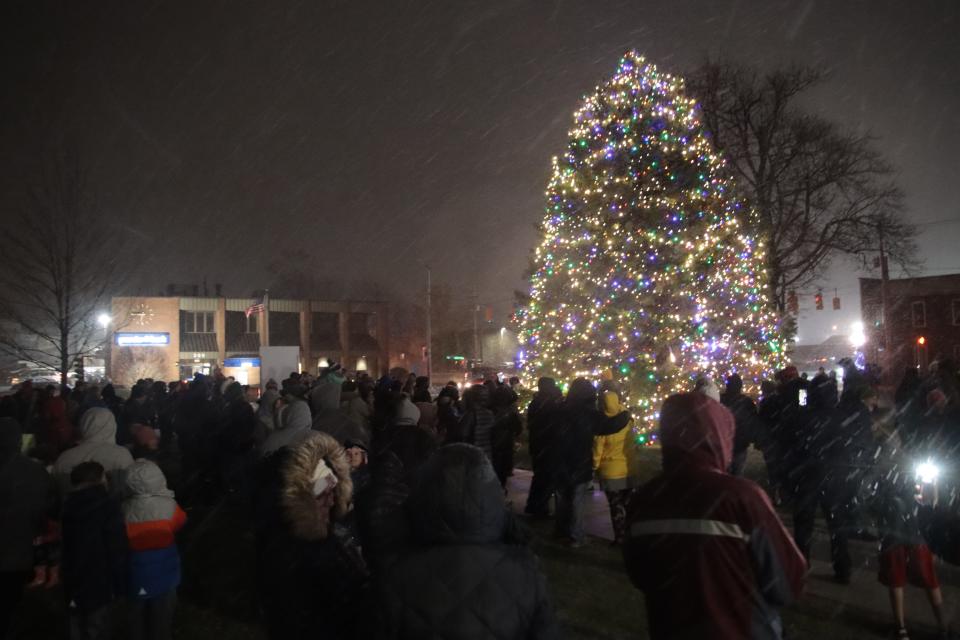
x=706, y=548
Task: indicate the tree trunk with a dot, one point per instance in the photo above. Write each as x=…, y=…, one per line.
x=64, y=355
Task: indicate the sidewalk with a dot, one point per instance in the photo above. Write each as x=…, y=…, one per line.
x=864, y=598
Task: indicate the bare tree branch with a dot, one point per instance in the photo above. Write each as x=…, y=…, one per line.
x=56, y=271
x=816, y=191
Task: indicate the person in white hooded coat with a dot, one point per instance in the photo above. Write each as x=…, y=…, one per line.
x=293, y=428
x=98, y=443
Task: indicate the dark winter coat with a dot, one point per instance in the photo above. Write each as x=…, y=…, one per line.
x=506, y=429
x=848, y=438
x=745, y=416
x=93, y=562
x=578, y=424
x=476, y=428
x=310, y=573
x=133, y=412
x=399, y=453
x=707, y=548
x=895, y=507
x=463, y=578
x=542, y=427
x=380, y=517
x=27, y=499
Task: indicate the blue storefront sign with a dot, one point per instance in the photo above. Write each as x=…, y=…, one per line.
x=242, y=362
x=149, y=339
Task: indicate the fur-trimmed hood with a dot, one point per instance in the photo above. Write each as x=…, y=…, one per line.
x=297, y=501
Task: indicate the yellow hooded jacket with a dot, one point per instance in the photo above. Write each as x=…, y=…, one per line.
x=615, y=456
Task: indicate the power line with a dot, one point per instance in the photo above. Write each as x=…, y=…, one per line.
x=933, y=222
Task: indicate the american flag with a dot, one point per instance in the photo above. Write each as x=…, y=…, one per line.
x=255, y=308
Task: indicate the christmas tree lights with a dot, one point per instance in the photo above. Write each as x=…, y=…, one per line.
x=647, y=271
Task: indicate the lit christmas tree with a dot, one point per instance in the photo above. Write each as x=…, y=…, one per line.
x=646, y=270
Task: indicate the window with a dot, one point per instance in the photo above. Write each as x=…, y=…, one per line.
x=198, y=322
x=955, y=308
x=919, y=313
x=252, y=323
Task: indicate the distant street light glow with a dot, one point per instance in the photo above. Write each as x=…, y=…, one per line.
x=104, y=320
x=857, y=336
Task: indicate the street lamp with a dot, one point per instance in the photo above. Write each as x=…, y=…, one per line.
x=104, y=320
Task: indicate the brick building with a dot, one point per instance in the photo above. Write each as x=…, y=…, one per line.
x=923, y=317
x=175, y=337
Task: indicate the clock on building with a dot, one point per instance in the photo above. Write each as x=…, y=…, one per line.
x=141, y=315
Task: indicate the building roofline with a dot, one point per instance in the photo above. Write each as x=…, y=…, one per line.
x=918, y=279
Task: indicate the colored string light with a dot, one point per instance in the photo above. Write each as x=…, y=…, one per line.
x=647, y=271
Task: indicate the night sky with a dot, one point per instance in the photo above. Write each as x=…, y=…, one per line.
x=364, y=137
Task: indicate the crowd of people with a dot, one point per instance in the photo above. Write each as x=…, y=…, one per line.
x=843, y=454
x=380, y=510
x=326, y=469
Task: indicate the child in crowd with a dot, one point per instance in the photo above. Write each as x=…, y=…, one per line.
x=152, y=518
x=904, y=555
x=94, y=554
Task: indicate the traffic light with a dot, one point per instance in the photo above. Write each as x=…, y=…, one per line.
x=836, y=301
x=818, y=301
x=793, y=304
x=921, y=341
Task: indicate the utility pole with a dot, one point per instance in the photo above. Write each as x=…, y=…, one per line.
x=429, y=327
x=476, y=329
x=884, y=306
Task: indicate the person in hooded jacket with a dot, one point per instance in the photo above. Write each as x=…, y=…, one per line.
x=465, y=575
x=579, y=422
x=93, y=560
x=27, y=500
x=542, y=443
x=328, y=414
x=358, y=407
x=615, y=461
x=265, y=410
x=707, y=548
x=152, y=518
x=293, y=427
x=98, y=433
x=311, y=577
x=476, y=425
x=325, y=395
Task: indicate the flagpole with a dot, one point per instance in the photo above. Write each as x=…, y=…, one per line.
x=266, y=317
